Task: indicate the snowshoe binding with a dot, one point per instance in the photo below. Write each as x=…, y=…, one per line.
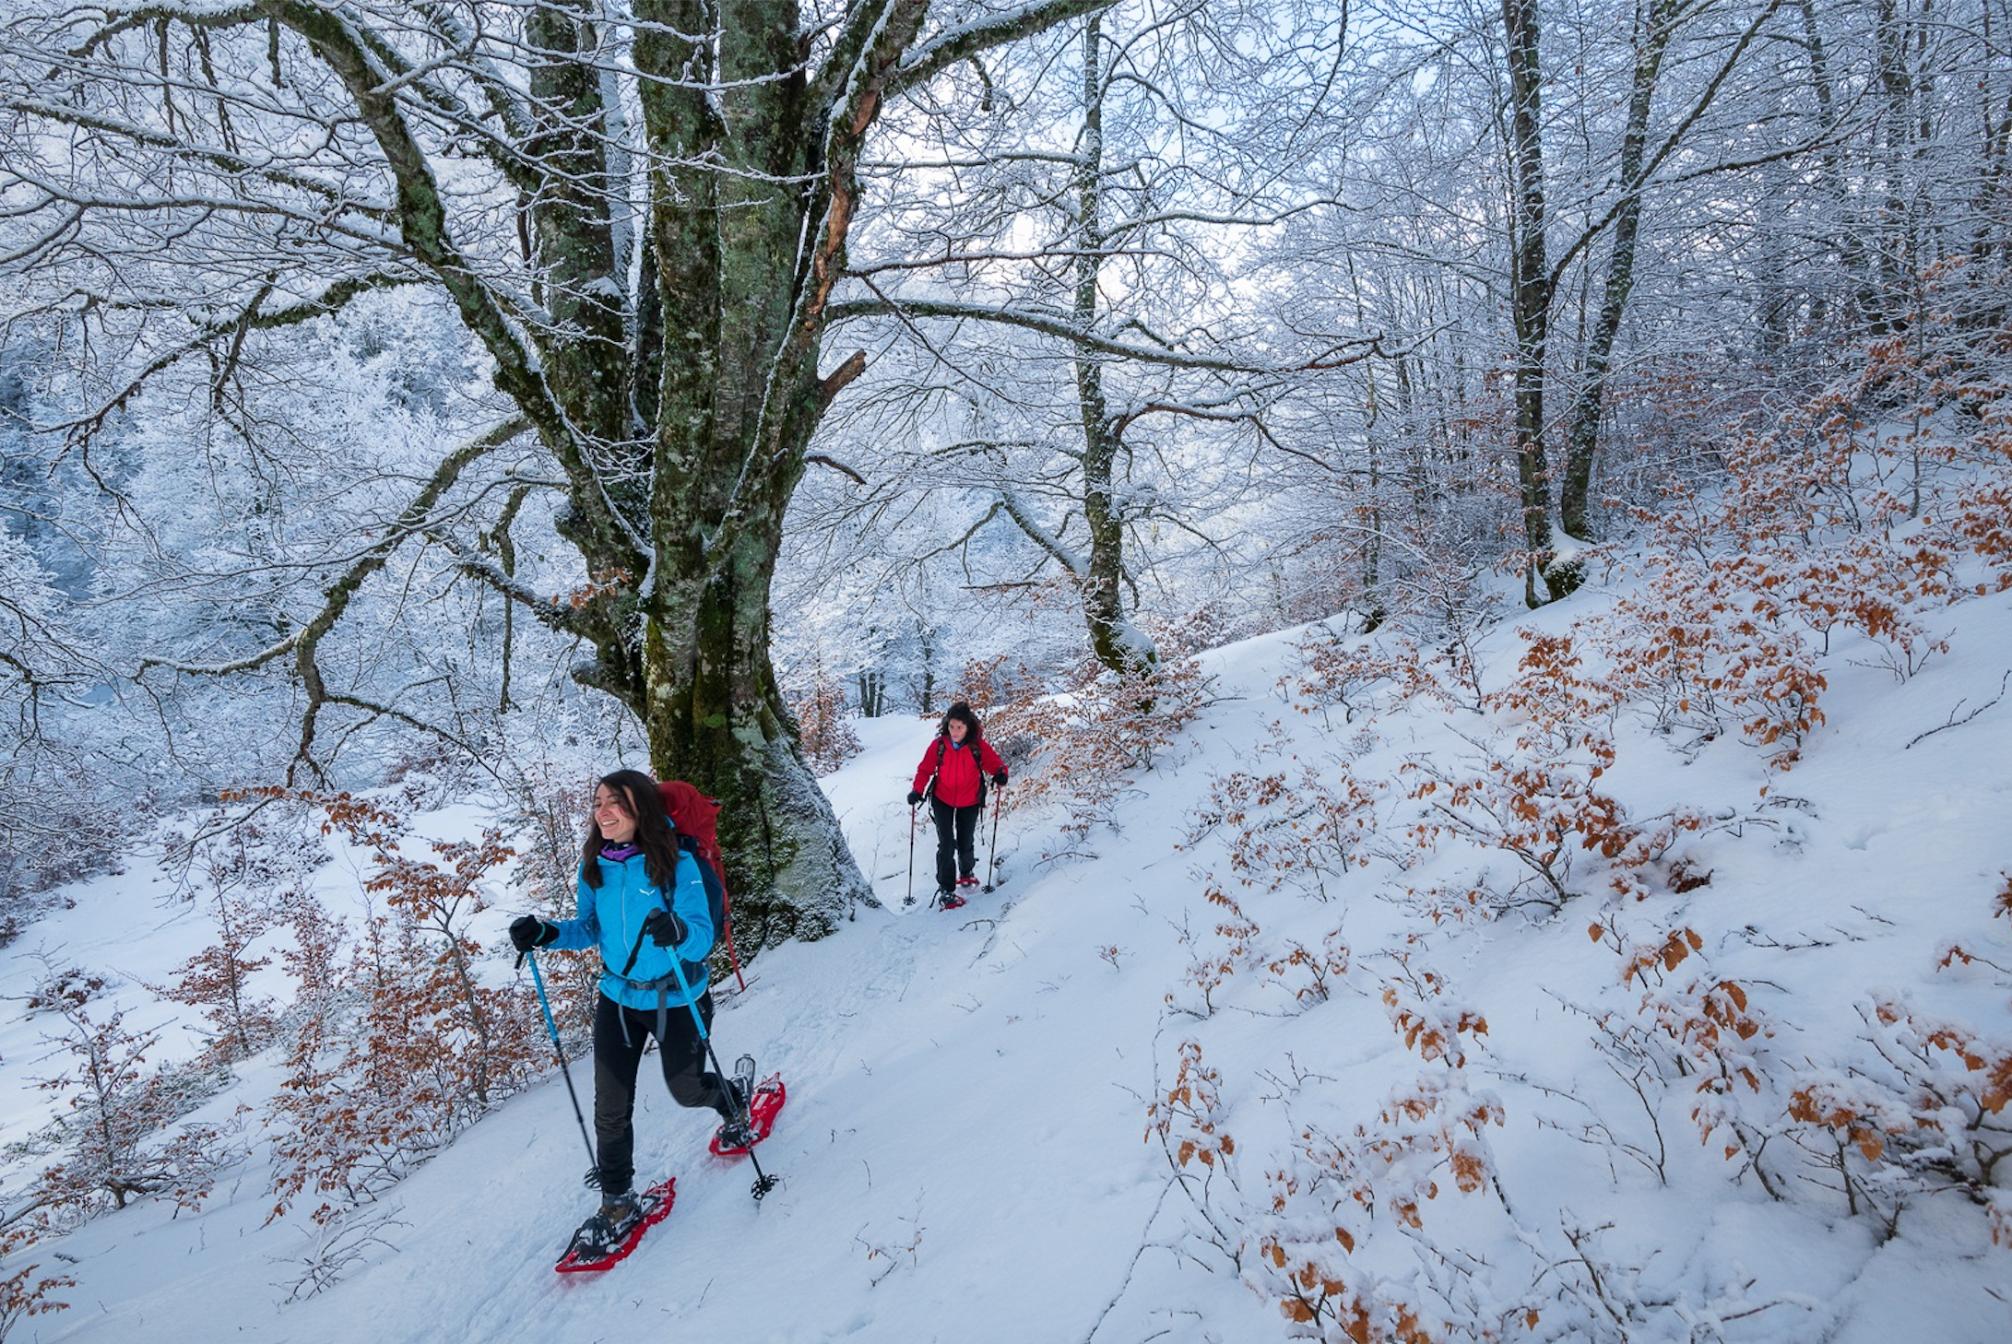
x=764, y=1103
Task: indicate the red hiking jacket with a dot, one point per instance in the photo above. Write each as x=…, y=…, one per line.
x=958, y=778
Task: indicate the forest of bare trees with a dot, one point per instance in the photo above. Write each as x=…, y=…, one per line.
x=1419, y=493
x=385, y=378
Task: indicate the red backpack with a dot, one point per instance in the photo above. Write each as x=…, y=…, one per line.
x=697, y=819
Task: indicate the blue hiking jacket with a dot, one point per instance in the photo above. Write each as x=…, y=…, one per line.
x=612, y=918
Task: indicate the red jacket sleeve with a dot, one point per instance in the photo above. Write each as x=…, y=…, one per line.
x=928, y=766
x=989, y=758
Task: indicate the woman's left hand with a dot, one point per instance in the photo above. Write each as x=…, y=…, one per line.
x=664, y=928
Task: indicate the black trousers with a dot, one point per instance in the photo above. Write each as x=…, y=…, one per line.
x=955, y=827
x=619, y=1036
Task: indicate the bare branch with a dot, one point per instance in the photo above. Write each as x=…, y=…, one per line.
x=932, y=58
x=1335, y=356
x=413, y=520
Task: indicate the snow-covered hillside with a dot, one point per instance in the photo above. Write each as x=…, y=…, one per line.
x=1474, y=1103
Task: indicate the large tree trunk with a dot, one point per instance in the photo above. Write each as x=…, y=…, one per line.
x=682, y=418
x=715, y=715
x=1100, y=573
x=1119, y=645
x=1654, y=25
x=737, y=400
x=1893, y=243
x=1530, y=289
x=749, y=211
x=677, y=605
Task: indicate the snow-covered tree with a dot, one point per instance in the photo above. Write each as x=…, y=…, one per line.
x=639, y=215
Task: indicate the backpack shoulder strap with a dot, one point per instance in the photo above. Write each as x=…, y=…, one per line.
x=942, y=745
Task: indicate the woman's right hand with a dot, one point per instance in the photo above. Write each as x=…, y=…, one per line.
x=528, y=931
x=914, y=797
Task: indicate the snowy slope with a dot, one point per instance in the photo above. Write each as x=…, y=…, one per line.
x=954, y=1097
x=962, y=1155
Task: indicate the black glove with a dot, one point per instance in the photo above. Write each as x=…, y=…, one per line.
x=1000, y=779
x=914, y=797
x=528, y=931
x=664, y=928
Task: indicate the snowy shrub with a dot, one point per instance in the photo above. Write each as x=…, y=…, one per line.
x=402, y=1046
x=1339, y=1241
x=244, y=873
x=1309, y=975
x=216, y=980
x=1209, y=625
x=1211, y=965
x=24, y=1290
x=1339, y=1197
x=115, y=1133
x=824, y=723
x=1536, y=797
x=340, y=1245
x=1353, y=676
x=998, y=680
x=1925, y=1108
x=1186, y=1119
x=1701, y=1030
x=1859, y=510
x=1290, y=830
x=1088, y=740
x=1704, y=648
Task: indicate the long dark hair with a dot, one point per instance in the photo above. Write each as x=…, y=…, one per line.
x=653, y=830
x=962, y=713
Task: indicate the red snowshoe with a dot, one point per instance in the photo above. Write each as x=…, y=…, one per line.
x=763, y=1107
x=601, y=1243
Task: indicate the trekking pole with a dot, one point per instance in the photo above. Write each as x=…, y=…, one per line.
x=992, y=850
x=551, y=1027
x=911, y=855
x=763, y=1183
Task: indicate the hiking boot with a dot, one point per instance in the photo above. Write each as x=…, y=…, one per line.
x=948, y=900
x=735, y=1134
x=968, y=880
x=607, y=1228
x=619, y=1211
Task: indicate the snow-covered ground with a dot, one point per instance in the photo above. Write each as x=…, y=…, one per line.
x=965, y=1155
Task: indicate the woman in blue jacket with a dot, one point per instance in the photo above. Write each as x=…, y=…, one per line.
x=643, y=903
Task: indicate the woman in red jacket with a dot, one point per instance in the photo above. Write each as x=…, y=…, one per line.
x=952, y=776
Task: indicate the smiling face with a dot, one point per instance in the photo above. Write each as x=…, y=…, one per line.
x=614, y=815
x=958, y=728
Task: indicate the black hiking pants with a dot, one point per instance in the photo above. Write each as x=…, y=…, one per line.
x=955, y=827
x=619, y=1036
